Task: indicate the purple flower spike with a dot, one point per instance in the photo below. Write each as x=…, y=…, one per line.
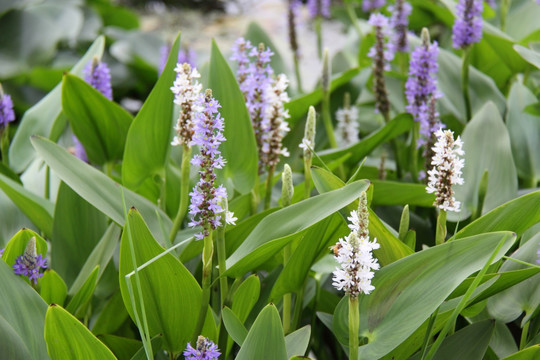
x=538, y=253
x=370, y=5
x=468, y=25
x=382, y=53
x=205, y=350
x=78, y=149
x=7, y=114
x=319, y=8
x=97, y=74
x=400, y=23
x=1, y=252
x=187, y=56
x=29, y=263
x=293, y=17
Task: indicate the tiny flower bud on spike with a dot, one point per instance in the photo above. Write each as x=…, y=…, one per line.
x=287, y=187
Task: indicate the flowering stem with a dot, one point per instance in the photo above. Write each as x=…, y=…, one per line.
x=208, y=252
x=505, y=4
x=184, y=193
x=327, y=119
x=47, y=182
x=4, y=144
x=287, y=297
x=414, y=151
x=299, y=302
x=297, y=73
x=354, y=19
x=465, y=82
x=222, y=256
x=440, y=234
x=307, y=180
x=428, y=333
x=318, y=31
x=354, y=322
x=268, y=196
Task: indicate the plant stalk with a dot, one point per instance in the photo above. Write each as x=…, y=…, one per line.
x=184, y=193
x=268, y=196
x=208, y=252
x=354, y=322
x=440, y=235
x=222, y=256
x=465, y=82
x=287, y=298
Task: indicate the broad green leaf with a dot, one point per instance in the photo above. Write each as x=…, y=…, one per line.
x=123, y=348
x=22, y=317
x=68, y=338
x=101, y=125
x=17, y=244
x=399, y=193
x=240, y=149
x=156, y=346
x=98, y=189
x=171, y=295
x=40, y=118
x=487, y=147
x=529, y=55
x=148, y=138
x=235, y=329
x=517, y=215
x=112, y=316
x=524, y=131
x=530, y=353
x=37, y=209
x=75, y=233
x=391, y=248
x=397, y=126
x=53, y=288
x=408, y=291
x=297, y=342
x=520, y=21
x=265, y=340
x=508, y=305
x=246, y=296
x=84, y=294
x=287, y=223
x=257, y=35
x=100, y=257
x=315, y=242
x=502, y=341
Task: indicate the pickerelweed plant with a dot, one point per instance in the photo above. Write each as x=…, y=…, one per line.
x=262, y=282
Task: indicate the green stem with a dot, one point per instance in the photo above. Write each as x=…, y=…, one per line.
x=307, y=179
x=108, y=168
x=428, y=333
x=414, y=150
x=440, y=235
x=524, y=335
x=208, y=252
x=297, y=73
x=222, y=256
x=4, y=144
x=287, y=298
x=47, y=182
x=327, y=119
x=354, y=321
x=354, y=19
x=184, y=193
x=298, y=304
x=520, y=262
x=463, y=303
x=268, y=196
x=318, y=31
x=255, y=197
x=465, y=82
x=505, y=4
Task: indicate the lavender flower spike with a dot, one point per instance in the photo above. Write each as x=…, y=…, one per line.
x=7, y=114
x=29, y=263
x=241, y=50
x=467, y=28
x=205, y=350
x=370, y=5
x=381, y=53
x=1, y=252
x=400, y=23
x=205, y=198
x=187, y=94
x=446, y=170
x=97, y=74
x=319, y=8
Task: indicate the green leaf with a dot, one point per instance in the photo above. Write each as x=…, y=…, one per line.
x=392, y=248
x=75, y=233
x=487, y=147
x=297, y=342
x=530, y=353
x=113, y=315
x=397, y=126
x=256, y=34
x=156, y=346
x=38, y=210
x=408, y=291
x=53, y=288
x=22, y=317
x=529, y=55
x=517, y=215
x=240, y=149
x=162, y=280
x=148, y=139
x=68, y=338
x=246, y=296
x=265, y=340
x=123, y=348
x=98, y=189
x=234, y=326
x=399, y=193
x=508, y=305
x=524, y=131
x=277, y=229
x=100, y=124
x=40, y=118
x=84, y=294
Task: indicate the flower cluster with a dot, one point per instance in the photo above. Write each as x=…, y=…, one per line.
x=274, y=122
x=421, y=85
x=293, y=16
x=187, y=94
x=347, y=126
x=78, y=149
x=205, y=198
x=467, y=28
x=97, y=74
x=7, y=114
x=30, y=263
x=205, y=350
x=400, y=24
x=381, y=53
x=446, y=170
x=370, y=5
x=319, y=8
x=186, y=55
x=354, y=254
